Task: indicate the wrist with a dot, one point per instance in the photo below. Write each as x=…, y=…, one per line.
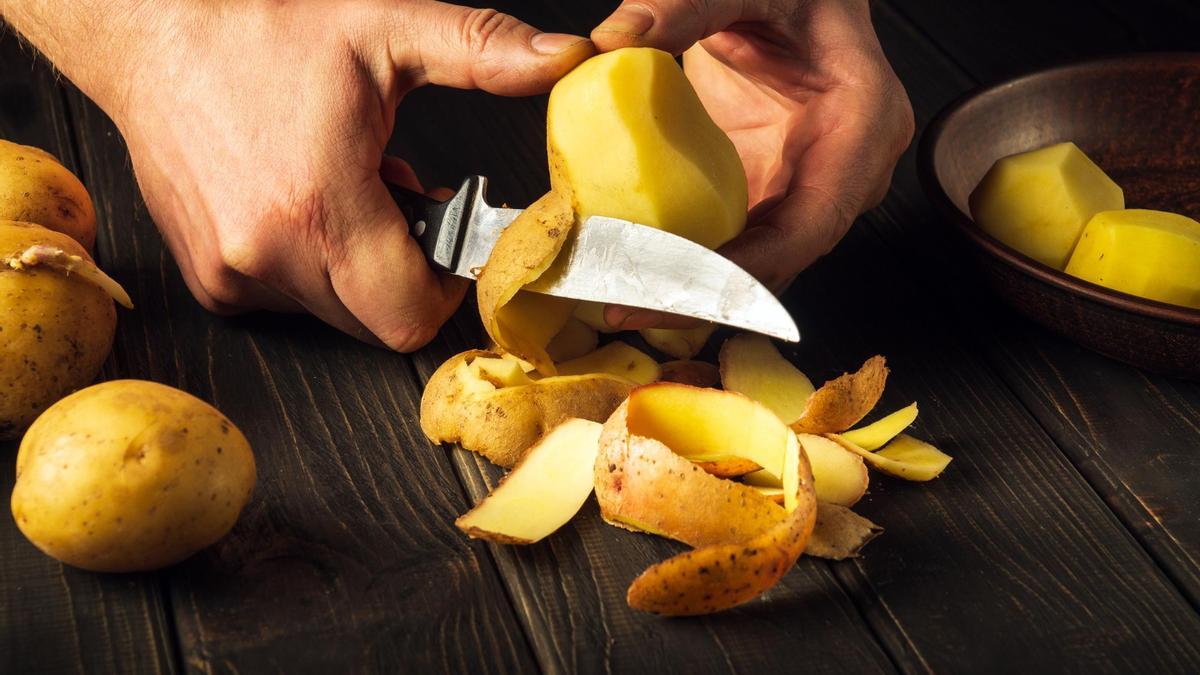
x=99, y=45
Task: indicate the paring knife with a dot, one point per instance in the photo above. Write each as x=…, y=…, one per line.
x=607, y=260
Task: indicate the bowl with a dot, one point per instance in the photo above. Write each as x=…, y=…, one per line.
x=1138, y=117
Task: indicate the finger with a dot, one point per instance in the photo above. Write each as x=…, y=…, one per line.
x=471, y=48
x=382, y=277
x=673, y=25
x=399, y=172
x=789, y=237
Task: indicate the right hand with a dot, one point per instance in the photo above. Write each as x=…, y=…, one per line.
x=257, y=131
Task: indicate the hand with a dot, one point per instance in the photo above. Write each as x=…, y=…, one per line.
x=257, y=130
x=816, y=113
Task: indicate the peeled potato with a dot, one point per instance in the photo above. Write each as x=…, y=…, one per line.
x=1039, y=201
x=629, y=138
x=57, y=321
x=36, y=188
x=543, y=492
x=462, y=405
x=1152, y=254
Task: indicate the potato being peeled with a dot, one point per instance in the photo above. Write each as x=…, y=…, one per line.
x=130, y=475
x=56, y=321
x=36, y=188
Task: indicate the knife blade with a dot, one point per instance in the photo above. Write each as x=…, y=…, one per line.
x=607, y=260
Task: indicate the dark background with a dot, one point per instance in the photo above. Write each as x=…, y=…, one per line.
x=1064, y=536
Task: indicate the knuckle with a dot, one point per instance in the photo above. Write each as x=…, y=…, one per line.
x=480, y=28
x=223, y=287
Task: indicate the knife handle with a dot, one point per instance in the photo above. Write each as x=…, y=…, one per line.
x=438, y=226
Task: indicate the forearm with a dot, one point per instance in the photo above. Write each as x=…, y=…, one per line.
x=97, y=44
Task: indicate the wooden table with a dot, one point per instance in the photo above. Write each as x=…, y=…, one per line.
x=1064, y=537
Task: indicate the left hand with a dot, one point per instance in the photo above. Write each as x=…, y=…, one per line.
x=803, y=89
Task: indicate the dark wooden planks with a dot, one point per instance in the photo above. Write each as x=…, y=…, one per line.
x=1133, y=435
x=55, y=619
x=998, y=565
x=345, y=560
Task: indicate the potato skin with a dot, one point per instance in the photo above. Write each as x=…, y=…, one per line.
x=56, y=330
x=36, y=187
x=130, y=475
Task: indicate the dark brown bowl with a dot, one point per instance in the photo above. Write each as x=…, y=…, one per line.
x=1138, y=117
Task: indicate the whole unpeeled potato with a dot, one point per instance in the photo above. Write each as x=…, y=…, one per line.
x=36, y=188
x=56, y=326
x=130, y=475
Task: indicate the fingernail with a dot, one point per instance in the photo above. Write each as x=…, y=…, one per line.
x=629, y=19
x=553, y=43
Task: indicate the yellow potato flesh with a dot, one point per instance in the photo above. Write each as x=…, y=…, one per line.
x=543, y=492
x=1152, y=254
x=905, y=457
x=614, y=358
x=130, y=475
x=708, y=424
x=574, y=340
x=500, y=372
x=36, y=188
x=751, y=365
x=878, y=433
x=1038, y=202
x=681, y=343
x=628, y=135
x=839, y=476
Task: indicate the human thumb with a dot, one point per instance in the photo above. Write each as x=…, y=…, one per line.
x=471, y=48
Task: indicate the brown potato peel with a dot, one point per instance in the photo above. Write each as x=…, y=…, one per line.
x=503, y=423
x=841, y=403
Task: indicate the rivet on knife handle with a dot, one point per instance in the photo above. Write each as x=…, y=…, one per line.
x=438, y=226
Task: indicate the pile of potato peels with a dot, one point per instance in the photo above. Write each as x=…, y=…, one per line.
x=752, y=474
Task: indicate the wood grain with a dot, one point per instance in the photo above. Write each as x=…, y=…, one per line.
x=346, y=559
x=1132, y=435
x=53, y=618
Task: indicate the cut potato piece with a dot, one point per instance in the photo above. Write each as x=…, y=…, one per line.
x=841, y=403
x=695, y=373
x=905, y=457
x=878, y=433
x=1151, y=254
x=574, y=340
x=839, y=476
x=544, y=491
x=629, y=138
x=500, y=372
x=523, y=323
x=1039, y=201
x=682, y=343
x=615, y=358
x=459, y=406
x=751, y=365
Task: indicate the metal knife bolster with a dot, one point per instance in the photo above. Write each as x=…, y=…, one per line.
x=439, y=226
